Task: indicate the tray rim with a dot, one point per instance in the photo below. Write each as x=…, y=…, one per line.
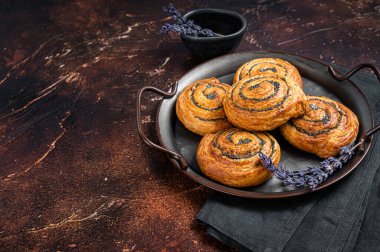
x=203, y=180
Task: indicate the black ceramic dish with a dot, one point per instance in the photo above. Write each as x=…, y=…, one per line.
x=181, y=144
x=230, y=25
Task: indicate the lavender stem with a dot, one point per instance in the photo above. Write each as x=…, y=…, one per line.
x=314, y=175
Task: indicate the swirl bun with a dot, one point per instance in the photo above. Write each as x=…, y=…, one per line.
x=231, y=156
x=200, y=106
x=263, y=102
x=269, y=66
x=325, y=127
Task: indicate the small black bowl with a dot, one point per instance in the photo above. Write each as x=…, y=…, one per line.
x=229, y=24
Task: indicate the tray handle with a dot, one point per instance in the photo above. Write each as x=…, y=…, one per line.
x=176, y=156
x=339, y=77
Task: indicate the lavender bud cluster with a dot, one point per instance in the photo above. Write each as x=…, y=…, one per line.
x=183, y=26
x=313, y=175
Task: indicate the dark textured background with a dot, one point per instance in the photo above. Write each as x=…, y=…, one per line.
x=74, y=174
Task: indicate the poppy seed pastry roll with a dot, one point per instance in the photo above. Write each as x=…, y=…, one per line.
x=264, y=66
x=326, y=126
x=231, y=156
x=200, y=106
x=262, y=103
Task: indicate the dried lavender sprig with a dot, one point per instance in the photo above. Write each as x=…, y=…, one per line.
x=182, y=26
x=185, y=29
x=313, y=175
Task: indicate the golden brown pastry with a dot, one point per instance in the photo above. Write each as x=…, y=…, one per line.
x=326, y=126
x=261, y=103
x=200, y=106
x=231, y=156
x=264, y=66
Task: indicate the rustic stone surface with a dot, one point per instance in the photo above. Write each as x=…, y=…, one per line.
x=74, y=174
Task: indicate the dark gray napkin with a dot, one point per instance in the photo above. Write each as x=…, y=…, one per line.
x=343, y=217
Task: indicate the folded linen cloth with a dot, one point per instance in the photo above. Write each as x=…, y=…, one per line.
x=343, y=217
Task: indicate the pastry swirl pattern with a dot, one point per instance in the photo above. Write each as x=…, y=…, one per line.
x=231, y=156
x=268, y=66
x=200, y=106
x=325, y=127
x=263, y=102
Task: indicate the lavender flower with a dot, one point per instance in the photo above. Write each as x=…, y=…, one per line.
x=183, y=26
x=313, y=175
x=346, y=153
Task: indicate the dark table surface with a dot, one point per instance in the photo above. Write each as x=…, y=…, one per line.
x=74, y=174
